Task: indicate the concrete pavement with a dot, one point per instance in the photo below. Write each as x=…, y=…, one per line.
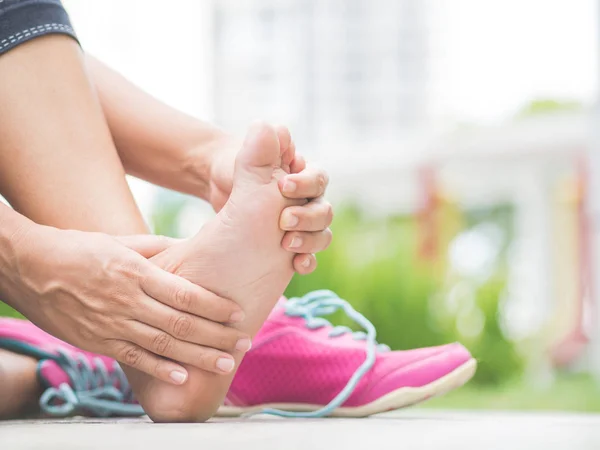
x=408, y=429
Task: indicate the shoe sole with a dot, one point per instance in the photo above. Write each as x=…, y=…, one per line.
x=400, y=398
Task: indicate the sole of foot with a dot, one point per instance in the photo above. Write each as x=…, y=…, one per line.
x=237, y=255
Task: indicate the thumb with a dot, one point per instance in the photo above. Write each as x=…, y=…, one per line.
x=147, y=245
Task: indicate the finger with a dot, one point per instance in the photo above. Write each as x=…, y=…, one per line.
x=147, y=245
x=298, y=164
x=163, y=344
x=134, y=356
x=310, y=183
x=313, y=216
x=305, y=264
x=180, y=294
x=192, y=329
x=302, y=242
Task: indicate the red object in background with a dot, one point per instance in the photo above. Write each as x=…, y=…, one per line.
x=572, y=346
x=427, y=217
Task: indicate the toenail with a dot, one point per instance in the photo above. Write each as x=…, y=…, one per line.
x=306, y=262
x=290, y=221
x=225, y=364
x=243, y=345
x=296, y=242
x=237, y=317
x=178, y=377
x=289, y=186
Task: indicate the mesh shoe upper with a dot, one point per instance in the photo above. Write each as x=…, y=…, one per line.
x=292, y=363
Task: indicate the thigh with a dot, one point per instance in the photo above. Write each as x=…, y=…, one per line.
x=58, y=163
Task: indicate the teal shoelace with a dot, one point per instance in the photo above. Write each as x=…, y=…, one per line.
x=311, y=308
x=93, y=390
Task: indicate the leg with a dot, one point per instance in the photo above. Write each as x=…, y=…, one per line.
x=19, y=387
x=80, y=184
x=58, y=165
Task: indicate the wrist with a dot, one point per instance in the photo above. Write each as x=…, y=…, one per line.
x=201, y=160
x=15, y=241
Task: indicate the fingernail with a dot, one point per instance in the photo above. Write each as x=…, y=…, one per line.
x=289, y=186
x=296, y=242
x=237, y=317
x=225, y=364
x=243, y=345
x=178, y=377
x=306, y=262
x=290, y=221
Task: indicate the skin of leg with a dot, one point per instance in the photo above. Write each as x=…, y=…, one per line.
x=80, y=185
x=19, y=387
x=58, y=163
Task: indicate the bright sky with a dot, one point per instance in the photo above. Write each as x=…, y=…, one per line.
x=491, y=56
x=497, y=55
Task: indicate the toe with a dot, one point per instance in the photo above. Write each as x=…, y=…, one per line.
x=287, y=148
x=260, y=152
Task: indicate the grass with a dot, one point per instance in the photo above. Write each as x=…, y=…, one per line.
x=7, y=311
x=567, y=393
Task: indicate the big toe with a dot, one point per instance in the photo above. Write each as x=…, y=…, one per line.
x=260, y=155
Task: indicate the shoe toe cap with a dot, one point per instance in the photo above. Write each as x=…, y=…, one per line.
x=394, y=370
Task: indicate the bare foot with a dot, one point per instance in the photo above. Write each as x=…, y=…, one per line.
x=19, y=387
x=237, y=255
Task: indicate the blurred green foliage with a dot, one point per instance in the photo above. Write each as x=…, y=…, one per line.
x=548, y=105
x=7, y=311
x=377, y=265
x=569, y=392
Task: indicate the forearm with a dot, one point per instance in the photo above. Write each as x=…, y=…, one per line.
x=155, y=142
x=13, y=228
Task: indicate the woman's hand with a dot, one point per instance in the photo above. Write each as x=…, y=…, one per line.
x=101, y=294
x=306, y=226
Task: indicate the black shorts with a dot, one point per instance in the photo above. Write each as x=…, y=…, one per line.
x=22, y=20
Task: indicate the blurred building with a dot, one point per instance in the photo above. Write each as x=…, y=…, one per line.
x=347, y=76
x=355, y=80
x=537, y=165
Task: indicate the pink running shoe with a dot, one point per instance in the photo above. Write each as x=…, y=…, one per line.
x=302, y=366
x=75, y=382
